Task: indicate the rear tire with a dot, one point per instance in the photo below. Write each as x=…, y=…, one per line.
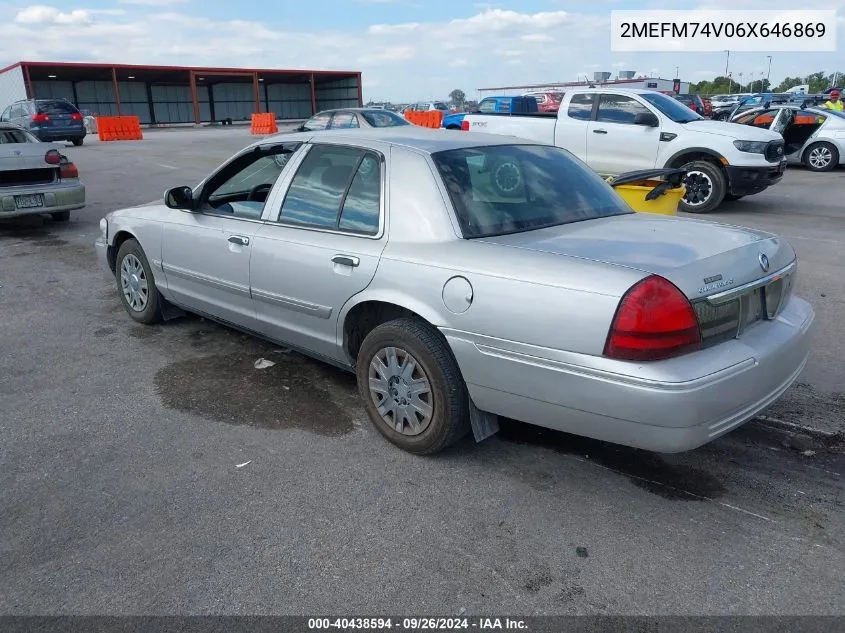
x=821, y=156
x=77, y=141
x=60, y=216
x=406, y=370
x=706, y=187
x=136, y=284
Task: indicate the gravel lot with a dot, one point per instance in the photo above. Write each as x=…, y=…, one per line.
x=121, y=490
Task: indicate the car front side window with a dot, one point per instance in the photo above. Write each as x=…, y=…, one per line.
x=336, y=187
x=5, y=115
x=241, y=188
x=619, y=109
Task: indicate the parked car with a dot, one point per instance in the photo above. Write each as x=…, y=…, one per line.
x=352, y=118
x=618, y=130
x=431, y=105
x=693, y=102
x=49, y=120
x=35, y=177
x=708, y=107
x=546, y=101
x=745, y=103
x=814, y=137
x=491, y=105
x=551, y=301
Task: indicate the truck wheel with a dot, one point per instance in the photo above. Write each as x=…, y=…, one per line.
x=411, y=386
x=706, y=187
x=821, y=156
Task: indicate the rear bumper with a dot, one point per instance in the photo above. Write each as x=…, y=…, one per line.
x=668, y=406
x=64, y=196
x=61, y=134
x=743, y=181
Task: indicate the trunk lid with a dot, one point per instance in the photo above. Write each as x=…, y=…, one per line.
x=728, y=272
x=684, y=251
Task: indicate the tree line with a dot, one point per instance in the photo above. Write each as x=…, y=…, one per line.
x=818, y=82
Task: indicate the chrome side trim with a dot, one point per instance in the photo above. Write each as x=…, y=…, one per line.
x=313, y=309
x=214, y=282
x=721, y=298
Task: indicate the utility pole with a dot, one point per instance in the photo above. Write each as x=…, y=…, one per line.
x=727, y=61
x=676, y=71
x=769, y=74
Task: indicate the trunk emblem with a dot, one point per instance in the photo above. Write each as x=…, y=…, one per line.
x=764, y=262
x=710, y=280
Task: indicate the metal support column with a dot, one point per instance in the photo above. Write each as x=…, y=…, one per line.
x=360, y=92
x=116, y=90
x=27, y=83
x=192, y=82
x=313, y=97
x=256, y=92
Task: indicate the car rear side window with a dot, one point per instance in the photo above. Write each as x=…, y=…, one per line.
x=12, y=136
x=504, y=189
x=581, y=107
x=336, y=187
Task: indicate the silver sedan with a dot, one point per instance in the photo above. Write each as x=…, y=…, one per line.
x=36, y=177
x=464, y=277
x=352, y=118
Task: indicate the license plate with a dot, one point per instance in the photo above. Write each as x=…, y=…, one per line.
x=29, y=201
x=755, y=307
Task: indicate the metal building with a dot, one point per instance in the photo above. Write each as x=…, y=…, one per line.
x=177, y=94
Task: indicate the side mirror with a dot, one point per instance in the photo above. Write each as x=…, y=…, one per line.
x=646, y=118
x=179, y=198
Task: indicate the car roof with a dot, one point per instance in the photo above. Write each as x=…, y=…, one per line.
x=426, y=140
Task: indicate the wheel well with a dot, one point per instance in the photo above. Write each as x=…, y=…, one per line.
x=119, y=239
x=683, y=159
x=365, y=317
x=453, y=127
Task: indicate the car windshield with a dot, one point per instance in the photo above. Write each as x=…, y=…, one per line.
x=384, y=118
x=505, y=189
x=672, y=108
x=439, y=105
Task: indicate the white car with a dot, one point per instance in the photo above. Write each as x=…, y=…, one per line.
x=814, y=137
x=617, y=130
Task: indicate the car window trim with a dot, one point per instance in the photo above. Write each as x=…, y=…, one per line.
x=275, y=218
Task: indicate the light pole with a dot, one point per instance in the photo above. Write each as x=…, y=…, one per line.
x=769, y=74
x=727, y=61
x=740, y=82
x=676, y=71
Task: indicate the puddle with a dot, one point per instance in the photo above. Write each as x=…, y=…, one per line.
x=228, y=388
x=644, y=469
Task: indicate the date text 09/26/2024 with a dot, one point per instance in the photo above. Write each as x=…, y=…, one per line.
x=416, y=624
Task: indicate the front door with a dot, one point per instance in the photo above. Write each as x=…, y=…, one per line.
x=322, y=247
x=615, y=144
x=206, y=252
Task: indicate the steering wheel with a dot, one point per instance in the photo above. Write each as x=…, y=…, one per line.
x=256, y=189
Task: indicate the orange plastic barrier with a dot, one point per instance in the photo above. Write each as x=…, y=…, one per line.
x=429, y=118
x=119, y=128
x=263, y=123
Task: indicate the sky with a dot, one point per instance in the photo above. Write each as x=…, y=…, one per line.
x=407, y=50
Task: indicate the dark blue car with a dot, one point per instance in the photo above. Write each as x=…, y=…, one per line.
x=49, y=120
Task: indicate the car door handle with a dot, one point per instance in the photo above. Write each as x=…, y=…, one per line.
x=239, y=239
x=599, y=131
x=346, y=260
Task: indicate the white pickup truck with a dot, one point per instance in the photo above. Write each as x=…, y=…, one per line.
x=620, y=130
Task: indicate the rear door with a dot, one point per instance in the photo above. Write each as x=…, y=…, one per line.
x=321, y=247
x=615, y=144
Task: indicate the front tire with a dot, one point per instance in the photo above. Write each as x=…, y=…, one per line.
x=136, y=284
x=411, y=386
x=821, y=156
x=706, y=187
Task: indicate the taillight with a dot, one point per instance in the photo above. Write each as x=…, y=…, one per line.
x=40, y=118
x=465, y=125
x=76, y=116
x=654, y=321
x=53, y=157
x=68, y=170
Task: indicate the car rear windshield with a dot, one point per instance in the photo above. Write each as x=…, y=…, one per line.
x=384, y=118
x=55, y=107
x=504, y=189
